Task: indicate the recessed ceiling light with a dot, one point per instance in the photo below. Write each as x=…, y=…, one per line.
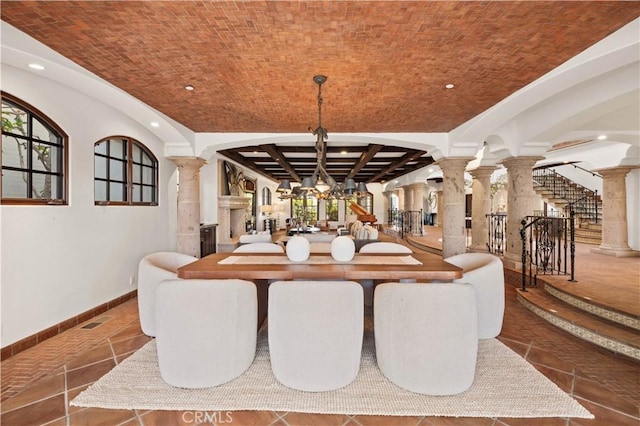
x=343, y=152
x=155, y=124
x=449, y=86
x=602, y=137
x=189, y=87
x=36, y=66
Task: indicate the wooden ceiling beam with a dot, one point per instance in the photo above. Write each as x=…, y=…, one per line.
x=232, y=155
x=409, y=156
x=273, y=151
x=280, y=162
x=365, y=157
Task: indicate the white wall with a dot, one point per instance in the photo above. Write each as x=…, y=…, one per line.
x=59, y=261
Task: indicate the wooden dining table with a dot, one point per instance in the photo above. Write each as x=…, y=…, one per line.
x=428, y=267
x=263, y=267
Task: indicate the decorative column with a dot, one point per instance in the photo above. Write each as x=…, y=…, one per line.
x=413, y=203
x=480, y=207
x=387, y=205
x=453, y=212
x=615, y=238
x=440, y=207
x=520, y=202
x=417, y=195
x=189, y=204
x=408, y=198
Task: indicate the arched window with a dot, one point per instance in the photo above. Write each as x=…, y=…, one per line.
x=126, y=173
x=34, y=156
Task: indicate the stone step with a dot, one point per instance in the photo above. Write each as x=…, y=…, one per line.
x=591, y=226
x=622, y=339
x=588, y=235
x=417, y=244
x=592, y=241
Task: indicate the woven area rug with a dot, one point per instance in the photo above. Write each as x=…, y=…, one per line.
x=505, y=385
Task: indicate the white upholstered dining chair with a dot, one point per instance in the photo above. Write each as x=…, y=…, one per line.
x=153, y=269
x=485, y=273
x=426, y=336
x=259, y=248
x=315, y=333
x=381, y=247
x=385, y=247
x=205, y=330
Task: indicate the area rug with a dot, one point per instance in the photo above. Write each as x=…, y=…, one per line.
x=505, y=385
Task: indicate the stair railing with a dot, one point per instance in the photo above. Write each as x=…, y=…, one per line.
x=411, y=223
x=497, y=232
x=393, y=218
x=548, y=247
x=584, y=200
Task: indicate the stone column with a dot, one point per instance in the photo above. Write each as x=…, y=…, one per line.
x=417, y=195
x=615, y=237
x=440, y=211
x=520, y=202
x=387, y=205
x=453, y=213
x=408, y=198
x=413, y=203
x=189, y=204
x=480, y=207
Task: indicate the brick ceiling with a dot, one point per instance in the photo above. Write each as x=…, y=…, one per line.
x=252, y=63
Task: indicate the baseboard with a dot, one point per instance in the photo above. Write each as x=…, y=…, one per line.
x=30, y=341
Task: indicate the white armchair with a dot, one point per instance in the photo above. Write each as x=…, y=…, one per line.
x=206, y=331
x=153, y=269
x=382, y=247
x=385, y=247
x=259, y=248
x=485, y=273
x=426, y=336
x=315, y=333
x=260, y=237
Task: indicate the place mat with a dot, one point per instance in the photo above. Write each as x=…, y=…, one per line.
x=320, y=260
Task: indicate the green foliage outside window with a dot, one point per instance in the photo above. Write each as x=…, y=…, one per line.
x=32, y=156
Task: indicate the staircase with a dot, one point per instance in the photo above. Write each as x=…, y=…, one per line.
x=589, y=233
x=562, y=193
x=602, y=326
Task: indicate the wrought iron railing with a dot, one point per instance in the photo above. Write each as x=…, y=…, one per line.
x=497, y=233
x=548, y=247
x=393, y=218
x=411, y=223
x=584, y=201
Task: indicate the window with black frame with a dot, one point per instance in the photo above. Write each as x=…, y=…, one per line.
x=126, y=173
x=34, y=156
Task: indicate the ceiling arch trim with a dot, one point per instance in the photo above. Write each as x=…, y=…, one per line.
x=615, y=51
x=573, y=108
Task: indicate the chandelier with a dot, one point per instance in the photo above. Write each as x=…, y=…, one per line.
x=320, y=183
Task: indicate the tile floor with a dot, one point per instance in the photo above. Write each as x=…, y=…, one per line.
x=38, y=383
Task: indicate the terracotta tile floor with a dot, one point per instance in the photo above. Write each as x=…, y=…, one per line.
x=38, y=383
